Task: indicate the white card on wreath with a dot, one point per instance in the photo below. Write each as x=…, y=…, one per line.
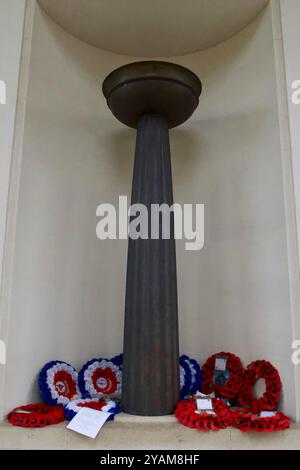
x=88, y=422
x=204, y=404
x=267, y=414
x=220, y=363
x=202, y=395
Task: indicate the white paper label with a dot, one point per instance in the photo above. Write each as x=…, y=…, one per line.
x=202, y=395
x=220, y=363
x=204, y=404
x=88, y=421
x=267, y=414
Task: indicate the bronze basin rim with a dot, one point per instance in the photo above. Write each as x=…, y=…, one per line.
x=151, y=70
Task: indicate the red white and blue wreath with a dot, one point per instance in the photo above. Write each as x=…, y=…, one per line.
x=100, y=404
x=118, y=360
x=185, y=376
x=100, y=377
x=196, y=376
x=58, y=383
x=190, y=376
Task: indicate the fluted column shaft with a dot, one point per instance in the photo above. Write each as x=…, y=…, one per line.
x=151, y=370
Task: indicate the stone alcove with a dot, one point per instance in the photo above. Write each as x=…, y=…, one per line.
x=66, y=297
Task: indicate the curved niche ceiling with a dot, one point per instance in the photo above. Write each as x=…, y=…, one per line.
x=153, y=28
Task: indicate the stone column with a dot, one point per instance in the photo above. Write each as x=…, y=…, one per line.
x=151, y=379
x=151, y=96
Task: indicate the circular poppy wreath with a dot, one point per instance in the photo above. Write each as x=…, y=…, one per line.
x=58, y=383
x=245, y=420
x=260, y=370
x=100, y=377
x=186, y=414
x=232, y=385
x=36, y=415
x=100, y=404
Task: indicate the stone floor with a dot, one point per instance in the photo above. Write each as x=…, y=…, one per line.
x=132, y=432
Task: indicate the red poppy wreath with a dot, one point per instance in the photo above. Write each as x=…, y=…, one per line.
x=245, y=420
x=36, y=415
x=269, y=400
x=186, y=413
x=229, y=387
